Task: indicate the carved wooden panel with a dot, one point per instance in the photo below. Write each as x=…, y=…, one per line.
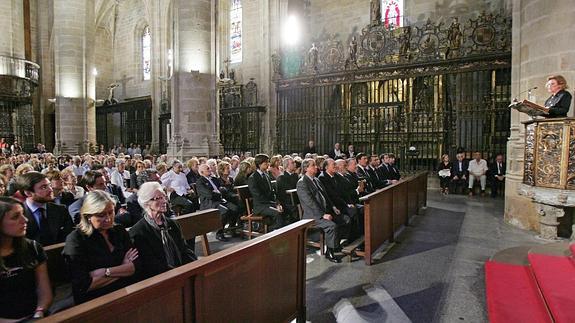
x=571, y=167
x=529, y=166
x=548, y=159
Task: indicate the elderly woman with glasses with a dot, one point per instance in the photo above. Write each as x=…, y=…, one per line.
x=99, y=253
x=158, y=238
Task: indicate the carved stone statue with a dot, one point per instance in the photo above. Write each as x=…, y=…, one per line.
x=454, y=35
x=353, y=51
x=277, y=65
x=232, y=75
x=111, y=100
x=313, y=57
x=404, y=41
x=375, y=12
x=222, y=75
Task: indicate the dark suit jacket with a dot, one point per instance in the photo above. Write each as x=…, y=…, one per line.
x=455, y=170
x=493, y=169
x=208, y=198
x=310, y=199
x=395, y=173
x=192, y=177
x=66, y=199
x=334, y=192
x=57, y=226
x=262, y=191
x=117, y=190
x=348, y=184
x=286, y=182
x=376, y=180
x=362, y=175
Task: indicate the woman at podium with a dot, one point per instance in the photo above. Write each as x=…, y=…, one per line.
x=560, y=100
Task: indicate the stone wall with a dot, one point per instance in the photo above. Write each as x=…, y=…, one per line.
x=540, y=48
x=104, y=61
x=12, y=35
x=132, y=19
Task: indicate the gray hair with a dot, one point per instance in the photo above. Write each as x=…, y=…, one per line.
x=146, y=193
x=285, y=161
x=305, y=164
x=120, y=161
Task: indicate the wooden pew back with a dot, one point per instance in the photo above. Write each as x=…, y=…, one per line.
x=261, y=280
x=387, y=209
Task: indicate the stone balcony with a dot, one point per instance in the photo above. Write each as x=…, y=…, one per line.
x=18, y=78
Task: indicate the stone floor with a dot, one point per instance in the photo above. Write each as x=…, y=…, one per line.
x=433, y=274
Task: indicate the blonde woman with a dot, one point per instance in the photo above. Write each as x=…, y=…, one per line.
x=100, y=254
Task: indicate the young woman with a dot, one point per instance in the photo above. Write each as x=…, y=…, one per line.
x=24, y=283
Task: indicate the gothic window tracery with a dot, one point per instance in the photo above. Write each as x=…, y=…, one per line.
x=236, y=31
x=147, y=54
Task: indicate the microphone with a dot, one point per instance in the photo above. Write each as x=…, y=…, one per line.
x=528, y=91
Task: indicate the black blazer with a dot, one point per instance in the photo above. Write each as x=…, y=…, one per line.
x=66, y=199
x=208, y=198
x=455, y=170
x=348, y=185
x=263, y=196
x=192, y=177
x=333, y=191
x=57, y=226
x=151, y=251
x=286, y=182
x=558, y=104
x=493, y=169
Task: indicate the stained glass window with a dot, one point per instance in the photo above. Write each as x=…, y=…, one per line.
x=392, y=13
x=147, y=54
x=236, y=31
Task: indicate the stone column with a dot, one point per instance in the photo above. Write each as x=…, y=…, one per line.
x=539, y=49
x=193, y=81
x=549, y=220
x=74, y=37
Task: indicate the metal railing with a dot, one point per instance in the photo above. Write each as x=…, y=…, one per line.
x=12, y=66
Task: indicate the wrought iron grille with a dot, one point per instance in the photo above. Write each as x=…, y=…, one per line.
x=126, y=122
x=418, y=91
x=436, y=114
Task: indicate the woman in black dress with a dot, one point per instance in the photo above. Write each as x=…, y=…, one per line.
x=99, y=253
x=24, y=284
x=158, y=238
x=444, y=170
x=560, y=100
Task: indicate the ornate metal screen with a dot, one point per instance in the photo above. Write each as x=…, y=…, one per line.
x=126, y=122
x=436, y=91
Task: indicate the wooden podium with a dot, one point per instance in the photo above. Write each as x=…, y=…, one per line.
x=529, y=108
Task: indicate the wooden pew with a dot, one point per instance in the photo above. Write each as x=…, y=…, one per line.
x=200, y=223
x=388, y=209
x=261, y=280
x=193, y=224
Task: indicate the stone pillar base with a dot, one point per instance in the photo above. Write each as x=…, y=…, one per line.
x=548, y=219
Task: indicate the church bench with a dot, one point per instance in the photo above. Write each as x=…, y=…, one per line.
x=193, y=224
x=267, y=275
x=200, y=223
x=389, y=208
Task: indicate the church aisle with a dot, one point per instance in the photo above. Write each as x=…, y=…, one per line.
x=434, y=274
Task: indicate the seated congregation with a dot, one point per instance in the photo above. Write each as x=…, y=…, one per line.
x=115, y=218
x=465, y=175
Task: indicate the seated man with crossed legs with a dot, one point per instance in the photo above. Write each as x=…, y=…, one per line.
x=477, y=171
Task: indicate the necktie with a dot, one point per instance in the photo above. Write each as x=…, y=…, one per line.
x=42, y=216
x=498, y=168
x=213, y=185
x=268, y=181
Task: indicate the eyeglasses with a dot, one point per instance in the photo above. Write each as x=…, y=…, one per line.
x=158, y=198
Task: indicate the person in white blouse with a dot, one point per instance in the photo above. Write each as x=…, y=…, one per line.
x=120, y=176
x=477, y=171
x=176, y=184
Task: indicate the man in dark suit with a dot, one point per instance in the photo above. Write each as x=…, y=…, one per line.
x=377, y=180
x=335, y=152
x=395, y=175
x=211, y=198
x=48, y=223
x=497, y=174
x=61, y=197
x=350, y=151
x=362, y=162
x=288, y=181
x=460, y=173
x=310, y=148
x=263, y=193
x=316, y=205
